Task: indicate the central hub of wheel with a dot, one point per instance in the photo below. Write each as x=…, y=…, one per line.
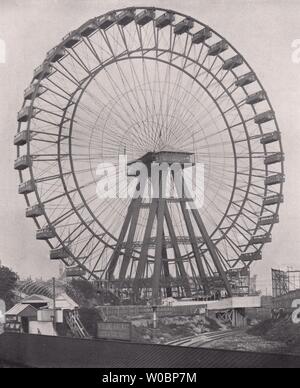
x=168, y=157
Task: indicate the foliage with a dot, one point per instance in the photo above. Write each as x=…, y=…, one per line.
x=262, y=328
x=8, y=280
x=83, y=287
x=85, y=294
x=89, y=318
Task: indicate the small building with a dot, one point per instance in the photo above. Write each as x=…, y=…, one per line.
x=36, y=315
x=64, y=302
x=18, y=318
x=2, y=311
x=66, y=311
x=37, y=301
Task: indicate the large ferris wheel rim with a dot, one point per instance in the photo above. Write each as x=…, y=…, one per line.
x=177, y=13
x=217, y=34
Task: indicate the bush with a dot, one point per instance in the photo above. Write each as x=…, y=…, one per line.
x=85, y=294
x=89, y=318
x=8, y=281
x=262, y=328
x=84, y=287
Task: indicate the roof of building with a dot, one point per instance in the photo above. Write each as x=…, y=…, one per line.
x=35, y=299
x=20, y=308
x=64, y=302
x=65, y=297
x=117, y=354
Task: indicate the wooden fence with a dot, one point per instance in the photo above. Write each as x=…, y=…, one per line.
x=147, y=311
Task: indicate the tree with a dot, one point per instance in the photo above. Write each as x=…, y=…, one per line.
x=8, y=281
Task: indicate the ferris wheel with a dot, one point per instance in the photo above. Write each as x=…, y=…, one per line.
x=150, y=84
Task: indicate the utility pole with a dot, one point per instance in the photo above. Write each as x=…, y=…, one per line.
x=154, y=308
x=54, y=303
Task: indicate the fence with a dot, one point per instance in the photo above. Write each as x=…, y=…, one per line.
x=260, y=314
x=285, y=301
x=147, y=311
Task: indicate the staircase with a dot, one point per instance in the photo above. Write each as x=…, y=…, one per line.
x=74, y=323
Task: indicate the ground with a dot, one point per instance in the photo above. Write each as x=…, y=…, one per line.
x=172, y=328
x=268, y=336
x=243, y=341
x=282, y=330
x=279, y=336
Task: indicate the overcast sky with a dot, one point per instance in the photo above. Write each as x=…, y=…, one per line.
x=262, y=30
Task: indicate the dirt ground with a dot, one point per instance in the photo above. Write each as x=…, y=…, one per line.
x=172, y=328
x=263, y=337
x=279, y=336
x=282, y=330
x=245, y=342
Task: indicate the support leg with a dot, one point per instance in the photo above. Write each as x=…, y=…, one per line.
x=166, y=268
x=212, y=250
x=195, y=247
x=115, y=256
x=177, y=253
x=145, y=247
x=130, y=239
x=158, y=252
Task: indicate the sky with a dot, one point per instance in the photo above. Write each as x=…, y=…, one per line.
x=262, y=30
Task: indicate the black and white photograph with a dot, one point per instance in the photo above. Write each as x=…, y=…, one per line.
x=150, y=195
